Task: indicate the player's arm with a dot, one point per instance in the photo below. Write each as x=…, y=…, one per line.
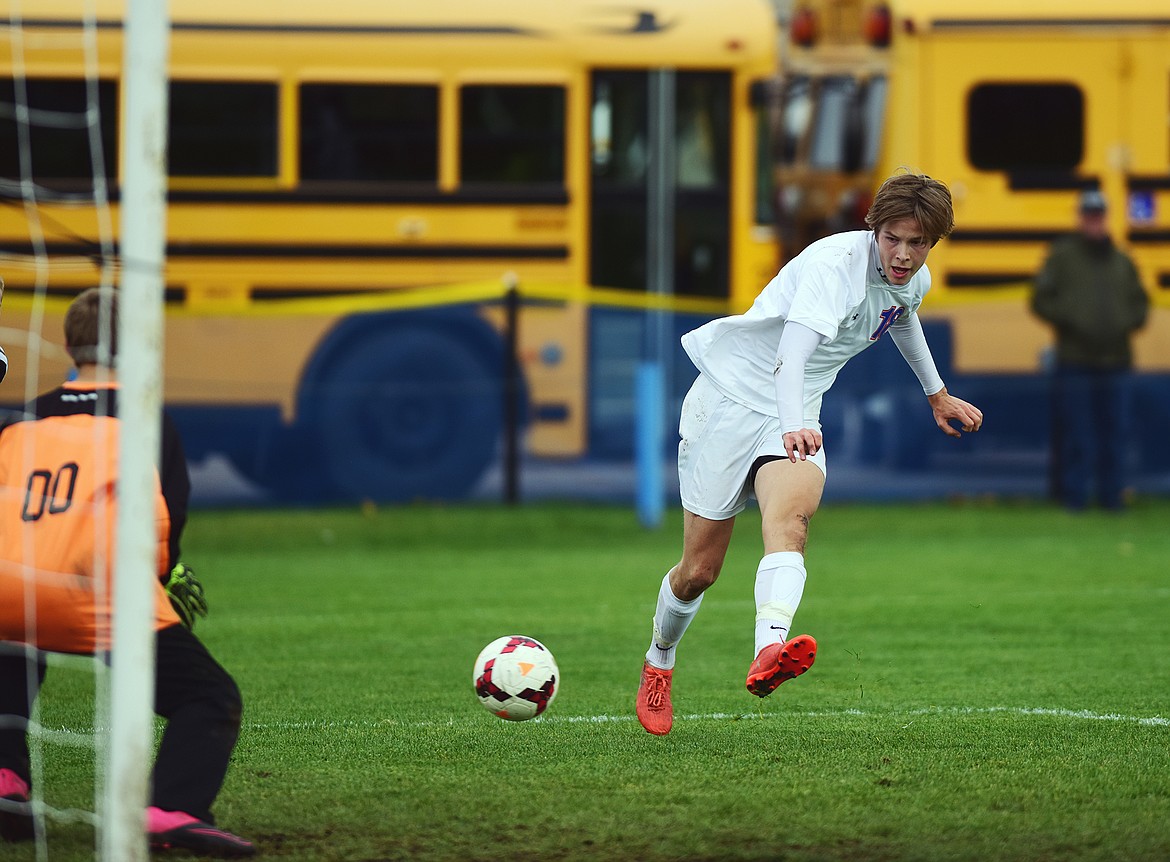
x=797, y=344
x=911, y=341
x=175, y=480
x=183, y=589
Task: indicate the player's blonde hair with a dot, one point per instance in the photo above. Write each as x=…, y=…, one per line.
x=916, y=196
x=84, y=331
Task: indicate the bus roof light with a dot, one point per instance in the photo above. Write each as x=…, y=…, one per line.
x=803, y=27
x=877, y=26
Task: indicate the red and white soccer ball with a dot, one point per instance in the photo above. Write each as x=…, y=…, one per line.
x=516, y=677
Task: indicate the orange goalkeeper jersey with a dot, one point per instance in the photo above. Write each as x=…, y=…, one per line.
x=58, y=518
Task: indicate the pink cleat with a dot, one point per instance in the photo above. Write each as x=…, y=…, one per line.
x=16, y=823
x=177, y=830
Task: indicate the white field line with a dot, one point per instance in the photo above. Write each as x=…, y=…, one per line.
x=1077, y=714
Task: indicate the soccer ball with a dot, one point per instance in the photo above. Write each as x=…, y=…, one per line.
x=515, y=677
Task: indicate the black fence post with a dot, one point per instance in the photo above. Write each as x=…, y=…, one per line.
x=511, y=391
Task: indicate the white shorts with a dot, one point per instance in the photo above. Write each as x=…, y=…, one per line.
x=721, y=440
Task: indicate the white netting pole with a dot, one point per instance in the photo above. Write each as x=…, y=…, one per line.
x=143, y=238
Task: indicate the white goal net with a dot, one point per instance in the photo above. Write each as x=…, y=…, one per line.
x=75, y=79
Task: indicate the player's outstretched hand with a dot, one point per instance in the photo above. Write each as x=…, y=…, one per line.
x=947, y=409
x=186, y=595
x=801, y=444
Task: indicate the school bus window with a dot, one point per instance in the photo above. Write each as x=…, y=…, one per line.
x=619, y=128
x=873, y=110
x=222, y=129
x=59, y=137
x=619, y=156
x=1025, y=127
x=703, y=170
x=374, y=132
x=796, y=110
x=512, y=134
x=703, y=116
x=846, y=123
x=835, y=99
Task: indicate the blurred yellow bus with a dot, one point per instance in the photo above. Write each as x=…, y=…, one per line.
x=1018, y=107
x=351, y=186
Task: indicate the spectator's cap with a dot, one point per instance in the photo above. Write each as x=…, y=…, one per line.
x=1092, y=202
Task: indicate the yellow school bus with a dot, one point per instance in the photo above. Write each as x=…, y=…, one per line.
x=352, y=188
x=1018, y=107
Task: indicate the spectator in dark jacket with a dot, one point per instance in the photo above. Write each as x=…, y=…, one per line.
x=1090, y=293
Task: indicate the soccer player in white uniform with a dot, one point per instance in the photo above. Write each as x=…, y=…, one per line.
x=750, y=423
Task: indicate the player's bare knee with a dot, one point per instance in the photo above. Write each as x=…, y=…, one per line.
x=789, y=533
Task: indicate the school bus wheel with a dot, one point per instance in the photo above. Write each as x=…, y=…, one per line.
x=411, y=409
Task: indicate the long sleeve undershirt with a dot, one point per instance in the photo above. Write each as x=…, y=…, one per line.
x=911, y=342
x=798, y=342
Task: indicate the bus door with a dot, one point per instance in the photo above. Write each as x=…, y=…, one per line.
x=619, y=130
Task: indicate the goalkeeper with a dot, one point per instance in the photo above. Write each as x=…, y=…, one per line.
x=58, y=472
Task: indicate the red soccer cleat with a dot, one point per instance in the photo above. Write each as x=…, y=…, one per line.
x=653, y=704
x=779, y=663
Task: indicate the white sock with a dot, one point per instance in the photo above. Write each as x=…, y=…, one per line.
x=671, y=618
x=779, y=587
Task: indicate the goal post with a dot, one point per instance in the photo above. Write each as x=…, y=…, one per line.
x=142, y=254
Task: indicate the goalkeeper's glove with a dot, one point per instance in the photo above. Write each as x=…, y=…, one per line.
x=186, y=595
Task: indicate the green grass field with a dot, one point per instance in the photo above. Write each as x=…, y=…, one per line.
x=993, y=682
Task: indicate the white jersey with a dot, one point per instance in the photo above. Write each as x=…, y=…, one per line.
x=835, y=288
